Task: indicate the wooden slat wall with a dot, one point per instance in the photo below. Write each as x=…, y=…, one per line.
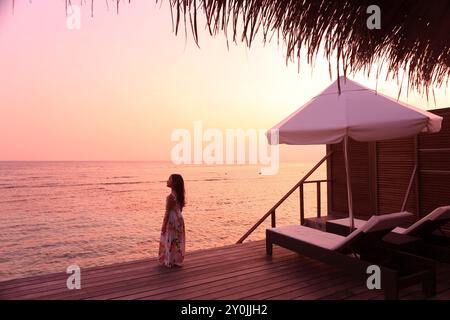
x=359, y=166
x=395, y=164
x=434, y=192
x=434, y=174
x=435, y=160
x=381, y=171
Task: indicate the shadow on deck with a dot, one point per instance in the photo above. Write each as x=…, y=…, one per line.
x=241, y=271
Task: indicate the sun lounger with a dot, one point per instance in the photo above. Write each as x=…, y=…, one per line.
x=424, y=237
x=428, y=225
x=359, y=250
x=434, y=242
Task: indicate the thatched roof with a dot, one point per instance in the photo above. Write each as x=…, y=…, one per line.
x=414, y=38
x=414, y=35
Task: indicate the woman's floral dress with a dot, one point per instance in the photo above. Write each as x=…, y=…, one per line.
x=172, y=244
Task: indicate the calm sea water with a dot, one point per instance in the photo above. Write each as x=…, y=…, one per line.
x=53, y=214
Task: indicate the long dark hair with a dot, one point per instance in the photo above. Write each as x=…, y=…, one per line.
x=178, y=186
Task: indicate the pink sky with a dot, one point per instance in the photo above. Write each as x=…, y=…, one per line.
x=118, y=87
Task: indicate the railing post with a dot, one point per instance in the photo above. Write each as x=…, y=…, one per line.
x=273, y=219
x=318, y=200
x=302, y=205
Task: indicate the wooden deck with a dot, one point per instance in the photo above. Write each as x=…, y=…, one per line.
x=240, y=271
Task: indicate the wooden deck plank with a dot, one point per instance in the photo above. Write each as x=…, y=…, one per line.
x=119, y=267
x=149, y=272
x=224, y=274
x=185, y=282
x=315, y=286
x=264, y=279
x=265, y=276
x=411, y=293
x=266, y=291
x=347, y=294
x=136, y=271
x=241, y=271
x=326, y=288
x=108, y=285
x=288, y=292
x=249, y=279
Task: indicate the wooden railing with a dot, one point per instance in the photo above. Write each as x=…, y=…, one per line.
x=298, y=185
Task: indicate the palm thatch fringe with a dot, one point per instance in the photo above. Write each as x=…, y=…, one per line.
x=414, y=38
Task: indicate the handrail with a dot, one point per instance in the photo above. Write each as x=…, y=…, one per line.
x=315, y=181
x=272, y=210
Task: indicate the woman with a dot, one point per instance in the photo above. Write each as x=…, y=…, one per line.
x=172, y=244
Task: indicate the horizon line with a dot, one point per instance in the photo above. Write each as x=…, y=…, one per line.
x=167, y=161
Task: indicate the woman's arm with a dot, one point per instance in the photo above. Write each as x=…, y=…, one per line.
x=170, y=203
x=164, y=224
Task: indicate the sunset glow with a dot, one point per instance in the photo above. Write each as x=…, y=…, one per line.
x=116, y=88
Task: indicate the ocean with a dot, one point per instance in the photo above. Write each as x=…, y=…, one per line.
x=54, y=214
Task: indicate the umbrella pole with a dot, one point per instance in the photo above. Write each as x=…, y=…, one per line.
x=349, y=186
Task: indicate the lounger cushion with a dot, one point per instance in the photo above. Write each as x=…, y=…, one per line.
x=378, y=223
x=386, y=221
x=399, y=230
x=332, y=241
x=319, y=238
x=441, y=213
x=358, y=223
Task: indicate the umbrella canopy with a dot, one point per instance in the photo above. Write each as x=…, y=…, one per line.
x=359, y=113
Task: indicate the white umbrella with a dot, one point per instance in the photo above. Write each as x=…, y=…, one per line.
x=357, y=112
